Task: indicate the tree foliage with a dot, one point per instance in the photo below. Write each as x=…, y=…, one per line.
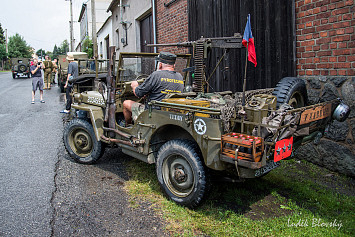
x=3, y=54
x=2, y=36
x=88, y=47
x=64, y=47
x=18, y=47
x=41, y=53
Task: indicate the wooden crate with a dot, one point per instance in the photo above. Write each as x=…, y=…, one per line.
x=251, y=148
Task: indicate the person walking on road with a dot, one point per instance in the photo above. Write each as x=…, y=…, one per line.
x=54, y=71
x=73, y=73
x=37, y=81
x=48, y=67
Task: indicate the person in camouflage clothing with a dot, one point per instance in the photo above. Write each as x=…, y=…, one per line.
x=48, y=67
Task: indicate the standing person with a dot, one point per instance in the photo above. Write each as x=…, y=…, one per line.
x=72, y=74
x=54, y=71
x=37, y=81
x=48, y=67
x=160, y=83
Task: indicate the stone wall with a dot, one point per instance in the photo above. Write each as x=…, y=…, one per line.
x=336, y=150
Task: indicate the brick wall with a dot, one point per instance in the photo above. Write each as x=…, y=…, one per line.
x=172, y=24
x=325, y=37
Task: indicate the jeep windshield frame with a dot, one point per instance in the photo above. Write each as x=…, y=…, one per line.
x=124, y=57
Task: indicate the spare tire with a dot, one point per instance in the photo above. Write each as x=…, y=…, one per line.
x=292, y=91
x=22, y=68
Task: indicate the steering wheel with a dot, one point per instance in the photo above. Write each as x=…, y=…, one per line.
x=127, y=85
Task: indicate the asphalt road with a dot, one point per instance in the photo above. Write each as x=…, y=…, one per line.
x=44, y=193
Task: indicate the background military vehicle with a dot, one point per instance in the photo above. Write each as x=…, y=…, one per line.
x=187, y=135
x=87, y=73
x=63, y=67
x=20, y=67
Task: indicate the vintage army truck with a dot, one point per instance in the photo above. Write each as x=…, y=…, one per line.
x=188, y=135
x=20, y=67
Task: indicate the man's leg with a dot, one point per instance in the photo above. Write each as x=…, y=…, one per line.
x=69, y=99
x=45, y=80
x=49, y=74
x=127, y=110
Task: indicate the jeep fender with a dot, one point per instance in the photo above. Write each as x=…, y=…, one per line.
x=96, y=116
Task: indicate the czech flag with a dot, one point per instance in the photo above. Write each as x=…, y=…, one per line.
x=248, y=41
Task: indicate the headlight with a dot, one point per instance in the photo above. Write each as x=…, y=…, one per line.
x=78, y=98
x=341, y=112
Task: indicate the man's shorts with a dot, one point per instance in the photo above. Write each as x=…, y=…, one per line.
x=37, y=82
x=137, y=109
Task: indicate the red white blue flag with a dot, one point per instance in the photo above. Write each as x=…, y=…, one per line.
x=248, y=41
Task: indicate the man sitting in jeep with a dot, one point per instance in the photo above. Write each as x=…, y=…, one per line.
x=161, y=82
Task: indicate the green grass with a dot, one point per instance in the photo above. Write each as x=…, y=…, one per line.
x=292, y=200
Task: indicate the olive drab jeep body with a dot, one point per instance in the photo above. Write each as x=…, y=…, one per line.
x=186, y=135
x=20, y=67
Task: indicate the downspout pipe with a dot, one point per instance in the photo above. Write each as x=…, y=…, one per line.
x=154, y=25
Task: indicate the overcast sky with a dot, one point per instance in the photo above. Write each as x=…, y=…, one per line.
x=42, y=23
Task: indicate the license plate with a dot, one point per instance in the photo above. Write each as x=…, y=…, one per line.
x=316, y=113
x=270, y=165
x=283, y=149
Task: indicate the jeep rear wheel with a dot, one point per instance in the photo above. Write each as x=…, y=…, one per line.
x=181, y=173
x=80, y=142
x=292, y=91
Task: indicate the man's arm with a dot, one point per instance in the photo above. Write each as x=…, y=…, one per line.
x=66, y=83
x=134, y=85
x=35, y=70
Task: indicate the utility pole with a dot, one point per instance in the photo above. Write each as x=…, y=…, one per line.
x=71, y=27
x=94, y=34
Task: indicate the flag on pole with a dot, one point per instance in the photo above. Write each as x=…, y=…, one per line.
x=248, y=41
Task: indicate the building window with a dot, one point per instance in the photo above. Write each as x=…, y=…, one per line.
x=101, y=50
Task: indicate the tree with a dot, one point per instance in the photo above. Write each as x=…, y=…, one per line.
x=88, y=47
x=18, y=47
x=2, y=37
x=64, y=47
x=41, y=53
x=55, y=52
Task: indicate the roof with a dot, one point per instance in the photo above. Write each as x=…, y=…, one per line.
x=103, y=25
x=82, y=11
x=112, y=4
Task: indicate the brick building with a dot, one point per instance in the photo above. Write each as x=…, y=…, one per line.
x=325, y=38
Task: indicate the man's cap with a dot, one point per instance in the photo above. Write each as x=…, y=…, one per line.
x=70, y=57
x=166, y=57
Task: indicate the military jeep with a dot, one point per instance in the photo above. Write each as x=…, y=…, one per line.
x=87, y=73
x=20, y=67
x=187, y=135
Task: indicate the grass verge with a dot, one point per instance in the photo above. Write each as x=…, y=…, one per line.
x=297, y=199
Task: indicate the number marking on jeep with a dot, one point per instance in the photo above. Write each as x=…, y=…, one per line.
x=315, y=114
x=200, y=126
x=95, y=100
x=175, y=117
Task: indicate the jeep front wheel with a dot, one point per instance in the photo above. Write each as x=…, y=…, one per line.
x=181, y=173
x=80, y=142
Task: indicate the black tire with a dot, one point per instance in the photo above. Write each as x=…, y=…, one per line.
x=22, y=68
x=28, y=75
x=292, y=91
x=80, y=142
x=188, y=183
x=13, y=75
